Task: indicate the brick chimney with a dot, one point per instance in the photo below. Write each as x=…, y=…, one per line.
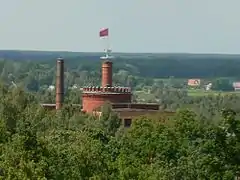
x=107, y=73
x=60, y=83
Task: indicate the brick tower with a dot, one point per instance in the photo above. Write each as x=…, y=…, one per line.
x=95, y=97
x=60, y=83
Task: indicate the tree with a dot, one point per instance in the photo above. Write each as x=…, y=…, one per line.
x=222, y=84
x=109, y=120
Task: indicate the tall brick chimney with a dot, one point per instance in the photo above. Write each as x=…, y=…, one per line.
x=106, y=73
x=60, y=83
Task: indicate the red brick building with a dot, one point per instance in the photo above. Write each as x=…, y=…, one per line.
x=93, y=98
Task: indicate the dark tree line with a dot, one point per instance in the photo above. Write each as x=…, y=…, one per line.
x=144, y=65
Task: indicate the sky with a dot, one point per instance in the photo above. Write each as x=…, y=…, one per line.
x=163, y=26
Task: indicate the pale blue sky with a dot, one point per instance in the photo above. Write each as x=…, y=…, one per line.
x=202, y=26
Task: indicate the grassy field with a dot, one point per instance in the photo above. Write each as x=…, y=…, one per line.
x=198, y=92
x=144, y=95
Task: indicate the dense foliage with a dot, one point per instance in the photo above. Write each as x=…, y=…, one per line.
x=142, y=65
x=36, y=70
x=202, y=140
x=39, y=144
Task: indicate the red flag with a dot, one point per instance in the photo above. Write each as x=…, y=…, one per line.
x=103, y=32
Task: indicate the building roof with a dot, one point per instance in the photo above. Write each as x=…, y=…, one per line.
x=53, y=105
x=135, y=110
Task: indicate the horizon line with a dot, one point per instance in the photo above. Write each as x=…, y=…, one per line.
x=122, y=52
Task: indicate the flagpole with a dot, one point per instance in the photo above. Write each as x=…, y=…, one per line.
x=108, y=48
x=104, y=35
x=108, y=42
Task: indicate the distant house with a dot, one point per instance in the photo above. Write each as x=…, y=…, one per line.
x=208, y=86
x=236, y=86
x=194, y=82
x=51, y=88
x=75, y=86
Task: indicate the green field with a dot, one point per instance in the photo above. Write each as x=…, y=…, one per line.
x=145, y=96
x=198, y=92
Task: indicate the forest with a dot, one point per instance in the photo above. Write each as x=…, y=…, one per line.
x=201, y=141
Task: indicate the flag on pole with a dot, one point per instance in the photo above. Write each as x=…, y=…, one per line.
x=103, y=32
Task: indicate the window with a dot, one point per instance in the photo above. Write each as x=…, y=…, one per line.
x=127, y=122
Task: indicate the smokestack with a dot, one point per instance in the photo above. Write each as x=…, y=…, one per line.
x=60, y=83
x=106, y=73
